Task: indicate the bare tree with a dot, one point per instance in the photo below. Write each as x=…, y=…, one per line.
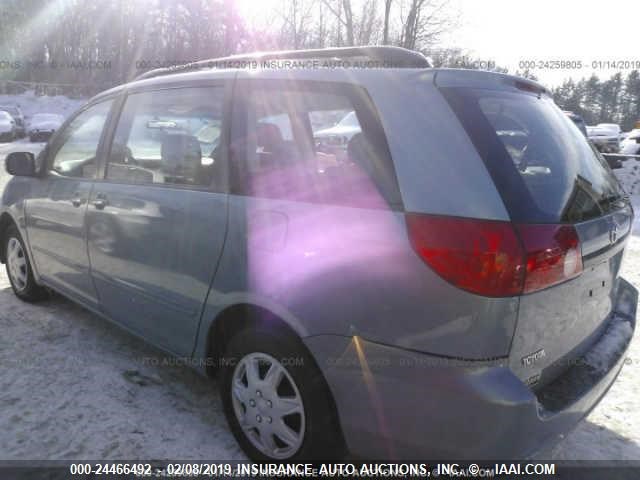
x=296, y=29
x=369, y=20
x=412, y=24
x=387, y=14
x=129, y=36
x=346, y=21
x=425, y=21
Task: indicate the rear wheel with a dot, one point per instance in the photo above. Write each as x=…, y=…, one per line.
x=276, y=400
x=19, y=268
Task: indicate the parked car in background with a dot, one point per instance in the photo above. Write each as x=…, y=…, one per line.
x=18, y=117
x=614, y=128
x=631, y=144
x=341, y=133
x=8, y=129
x=447, y=290
x=605, y=137
x=578, y=120
x=334, y=140
x=43, y=125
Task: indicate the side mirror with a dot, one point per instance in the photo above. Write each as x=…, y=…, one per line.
x=22, y=164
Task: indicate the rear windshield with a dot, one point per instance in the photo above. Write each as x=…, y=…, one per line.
x=544, y=168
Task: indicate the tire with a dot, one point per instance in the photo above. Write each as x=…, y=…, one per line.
x=19, y=268
x=316, y=424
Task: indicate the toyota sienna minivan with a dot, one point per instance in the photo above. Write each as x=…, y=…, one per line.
x=445, y=284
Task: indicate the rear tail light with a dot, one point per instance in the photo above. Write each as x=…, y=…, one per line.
x=494, y=258
x=483, y=257
x=553, y=255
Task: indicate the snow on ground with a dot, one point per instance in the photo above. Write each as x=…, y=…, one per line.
x=72, y=386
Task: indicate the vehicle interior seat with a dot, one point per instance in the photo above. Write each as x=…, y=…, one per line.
x=181, y=157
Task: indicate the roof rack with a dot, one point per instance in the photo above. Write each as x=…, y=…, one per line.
x=385, y=56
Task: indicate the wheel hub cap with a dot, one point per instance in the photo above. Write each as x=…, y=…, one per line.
x=17, y=264
x=268, y=405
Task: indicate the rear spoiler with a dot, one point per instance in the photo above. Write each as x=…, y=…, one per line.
x=483, y=79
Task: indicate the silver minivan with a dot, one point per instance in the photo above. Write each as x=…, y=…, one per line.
x=443, y=282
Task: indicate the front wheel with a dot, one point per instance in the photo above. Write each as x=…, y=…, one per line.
x=276, y=400
x=19, y=268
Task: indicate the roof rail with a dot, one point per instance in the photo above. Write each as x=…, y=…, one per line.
x=385, y=56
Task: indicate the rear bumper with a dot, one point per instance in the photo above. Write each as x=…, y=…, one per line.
x=398, y=404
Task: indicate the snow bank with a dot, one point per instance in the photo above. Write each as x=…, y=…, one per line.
x=629, y=176
x=31, y=104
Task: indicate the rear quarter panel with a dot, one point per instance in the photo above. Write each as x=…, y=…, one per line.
x=326, y=269
x=347, y=271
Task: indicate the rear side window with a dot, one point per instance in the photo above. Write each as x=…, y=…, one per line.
x=311, y=143
x=169, y=137
x=544, y=168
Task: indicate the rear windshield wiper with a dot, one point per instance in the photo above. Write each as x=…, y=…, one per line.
x=612, y=202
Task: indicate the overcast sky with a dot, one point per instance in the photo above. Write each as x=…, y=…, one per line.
x=511, y=31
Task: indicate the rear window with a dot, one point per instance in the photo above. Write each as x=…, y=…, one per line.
x=544, y=168
x=319, y=143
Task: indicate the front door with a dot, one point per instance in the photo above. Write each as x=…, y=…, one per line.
x=156, y=223
x=55, y=214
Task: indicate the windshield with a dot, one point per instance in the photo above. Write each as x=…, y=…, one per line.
x=610, y=127
x=544, y=168
x=600, y=132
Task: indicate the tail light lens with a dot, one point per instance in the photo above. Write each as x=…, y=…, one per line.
x=483, y=257
x=487, y=258
x=553, y=255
